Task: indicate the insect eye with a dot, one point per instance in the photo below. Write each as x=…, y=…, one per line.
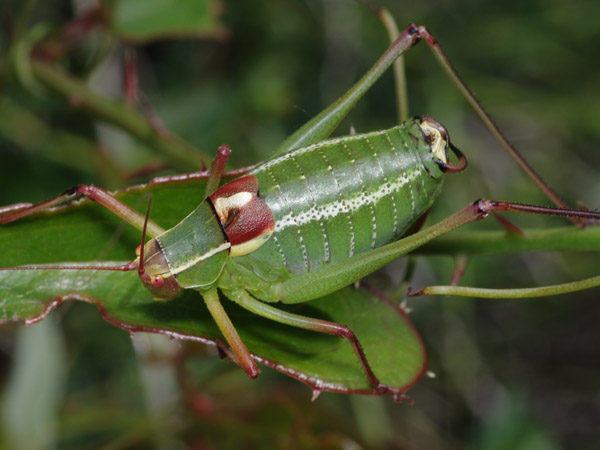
x=157, y=281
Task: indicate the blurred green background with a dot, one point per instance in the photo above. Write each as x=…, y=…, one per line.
x=509, y=374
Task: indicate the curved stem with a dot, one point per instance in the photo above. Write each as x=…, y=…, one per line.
x=499, y=241
x=117, y=113
x=555, y=289
x=399, y=71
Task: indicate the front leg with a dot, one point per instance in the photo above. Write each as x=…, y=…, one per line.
x=238, y=348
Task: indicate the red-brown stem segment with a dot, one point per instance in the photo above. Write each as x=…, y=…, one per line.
x=146, y=170
x=190, y=177
x=13, y=208
x=97, y=195
x=216, y=169
x=509, y=226
x=130, y=78
x=460, y=265
x=544, y=210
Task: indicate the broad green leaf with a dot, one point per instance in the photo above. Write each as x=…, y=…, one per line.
x=154, y=19
x=82, y=232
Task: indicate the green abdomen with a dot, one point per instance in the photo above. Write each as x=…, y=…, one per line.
x=344, y=196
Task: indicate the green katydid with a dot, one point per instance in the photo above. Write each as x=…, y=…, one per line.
x=315, y=217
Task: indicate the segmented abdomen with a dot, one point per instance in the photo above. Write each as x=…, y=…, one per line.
x=342, y=197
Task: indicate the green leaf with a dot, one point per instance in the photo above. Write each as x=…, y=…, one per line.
x=81, y=232
x=154, y=19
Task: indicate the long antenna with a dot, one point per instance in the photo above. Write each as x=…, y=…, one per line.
x=141, y=270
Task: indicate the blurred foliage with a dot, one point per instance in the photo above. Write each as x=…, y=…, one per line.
x=510, y=374
x=165, y=18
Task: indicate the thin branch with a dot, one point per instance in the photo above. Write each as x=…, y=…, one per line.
x=117, y=113
x=499, y=241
